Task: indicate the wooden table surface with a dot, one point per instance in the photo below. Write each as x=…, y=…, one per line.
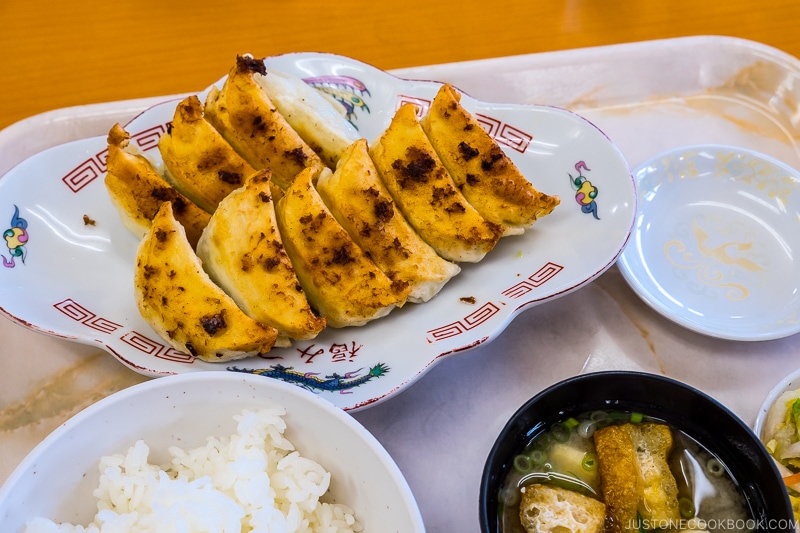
x=59, y=54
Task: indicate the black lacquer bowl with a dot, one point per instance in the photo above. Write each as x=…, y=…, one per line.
x=683, y=407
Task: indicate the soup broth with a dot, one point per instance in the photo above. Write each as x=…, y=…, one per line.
x=566, y=455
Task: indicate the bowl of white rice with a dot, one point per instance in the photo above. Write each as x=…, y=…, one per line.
x=209, y=452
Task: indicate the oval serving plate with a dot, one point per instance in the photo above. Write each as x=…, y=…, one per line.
x=716, y=242
x=68, y=263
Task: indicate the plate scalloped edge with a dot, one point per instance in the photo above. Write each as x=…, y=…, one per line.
x=86, y=296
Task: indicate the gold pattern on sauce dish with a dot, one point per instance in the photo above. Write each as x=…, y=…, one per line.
x=678, y=169
x=759, y=174
x=731, y=265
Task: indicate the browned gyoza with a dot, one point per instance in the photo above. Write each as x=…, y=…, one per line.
x=484, y=173
x=251, y=123
x=426, y=194
x=360, y=201
x=198, y=161
x=137, y=190
x=341, y=282
x=283, y=246
x=181, y=303
x=243, y=252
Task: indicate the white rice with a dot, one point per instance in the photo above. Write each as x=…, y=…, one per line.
x=253, y=481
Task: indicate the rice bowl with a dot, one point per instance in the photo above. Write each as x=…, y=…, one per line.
x=134, y=430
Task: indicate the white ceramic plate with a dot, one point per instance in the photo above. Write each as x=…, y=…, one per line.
x=716, y=242
x=74, y=273
x=57, y=478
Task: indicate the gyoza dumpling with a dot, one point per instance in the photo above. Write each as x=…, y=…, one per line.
x=137, y=190
x=484, y=173
x=199, y=162
x=243, y=252
x=361, y=203
x=251, y=123
x=181, y=303
x=341, y=282
x=310, y=114
x=425, y=193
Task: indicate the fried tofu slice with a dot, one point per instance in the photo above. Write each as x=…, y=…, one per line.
x=137, y=190
x=181, y=303
x=242, y=251
x=247, y=118
x=341, y=282
x=363, y=206
x=635, y=475
x=426, y=194
x=480, y=168
x=310, y=114
x=198, y=161
x=545, y=508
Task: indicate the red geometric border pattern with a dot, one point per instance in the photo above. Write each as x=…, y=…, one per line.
x=78, y=313
x=84, y=174
x=148, y=139
x=148, y=346
x=537, y=279
x=514, y=138
x=491, y=125
x=506, y=134
x=421, y=103
x=91, y=169
x=134, y=339
x=489, y=309
x=473, y=320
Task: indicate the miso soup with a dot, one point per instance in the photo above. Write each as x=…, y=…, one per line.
x=647, y=474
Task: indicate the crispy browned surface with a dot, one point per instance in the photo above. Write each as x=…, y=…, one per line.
x=137, y=190
x=341, y=282
x=361, y=203
x=546, y=508
x=243, y=251
x=480, y=168
x=199, y=161
x=634, y=474
x=249, y=121
x=177, y=298
x=425, y=193
x=619, y=476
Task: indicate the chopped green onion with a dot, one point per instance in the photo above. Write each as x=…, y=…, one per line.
x=686, y=507
x=523, y=464
x=714, y=467
x=589, y=462
x=636, y=418
x=598, y=416
x=571, y=423
x=541, y=442
x=538, y=457
x=560, y=432
x=585, y=429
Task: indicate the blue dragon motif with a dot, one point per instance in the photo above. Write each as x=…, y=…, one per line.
x=310, y=380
